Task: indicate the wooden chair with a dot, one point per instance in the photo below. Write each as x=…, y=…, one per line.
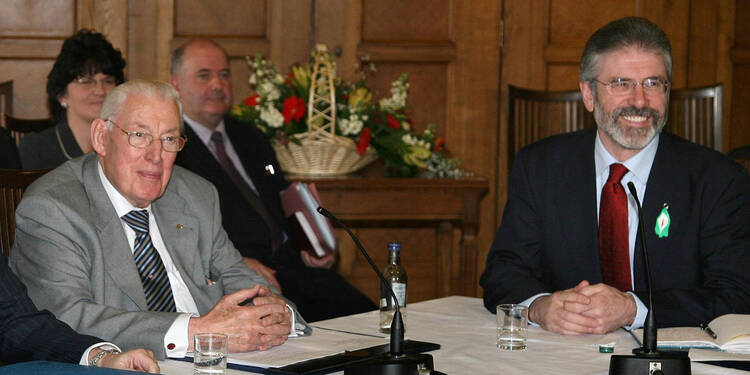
x=19, y=127
x=695, y=114
x=6, y=97
x=533, y=115
x=12, y=184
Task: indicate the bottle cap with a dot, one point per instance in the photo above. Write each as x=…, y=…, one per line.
x=394, y=246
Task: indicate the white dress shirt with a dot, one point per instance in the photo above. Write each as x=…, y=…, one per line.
x=639, y=168
x=178, y=331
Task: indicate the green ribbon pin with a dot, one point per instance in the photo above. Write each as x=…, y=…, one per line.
x=662, y=222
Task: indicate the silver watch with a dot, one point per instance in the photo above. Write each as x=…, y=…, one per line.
x=94, y=361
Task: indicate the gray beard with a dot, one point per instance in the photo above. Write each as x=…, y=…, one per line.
x=626, y=137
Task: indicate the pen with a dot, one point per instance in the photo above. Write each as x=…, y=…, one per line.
x=708, y=330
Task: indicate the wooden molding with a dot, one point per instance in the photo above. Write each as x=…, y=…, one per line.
x=443, y=51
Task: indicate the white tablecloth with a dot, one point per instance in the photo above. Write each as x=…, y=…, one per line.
x=466, y=332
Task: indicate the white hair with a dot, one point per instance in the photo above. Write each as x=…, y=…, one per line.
x=152, y=89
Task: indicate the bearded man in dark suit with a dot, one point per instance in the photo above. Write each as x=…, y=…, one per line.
x=239, y=160
x=559, y=250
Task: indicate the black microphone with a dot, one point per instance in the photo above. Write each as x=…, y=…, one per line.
x=647, y=359
x=394, y=362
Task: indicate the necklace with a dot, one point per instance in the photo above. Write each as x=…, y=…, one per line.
x=60, y=142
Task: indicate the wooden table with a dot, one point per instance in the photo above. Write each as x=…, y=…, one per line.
x=414, y=203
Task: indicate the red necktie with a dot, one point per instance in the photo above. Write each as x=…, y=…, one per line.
x=613, y=231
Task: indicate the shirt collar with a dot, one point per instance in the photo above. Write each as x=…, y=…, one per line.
x=639, y=164
x=121, y=204
x=203, y=132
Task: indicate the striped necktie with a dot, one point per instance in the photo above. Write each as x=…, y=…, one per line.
x=150, y=266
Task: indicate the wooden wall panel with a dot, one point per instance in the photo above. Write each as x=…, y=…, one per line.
x=740, y=59
x=242, y=18
x=397, y=20
x=37, y=19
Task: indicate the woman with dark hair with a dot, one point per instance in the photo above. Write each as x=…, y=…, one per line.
x=86, y=70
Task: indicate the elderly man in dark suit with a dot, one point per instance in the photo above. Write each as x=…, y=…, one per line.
x=567, y=246
x=28, y=334
x=235, y=157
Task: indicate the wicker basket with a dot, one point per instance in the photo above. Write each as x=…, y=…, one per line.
x=320, y=151
x=322, y=158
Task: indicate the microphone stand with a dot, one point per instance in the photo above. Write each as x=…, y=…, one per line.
x=647, y=359
x=395, y=362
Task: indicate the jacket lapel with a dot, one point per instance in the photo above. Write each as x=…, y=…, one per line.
x=118, y=257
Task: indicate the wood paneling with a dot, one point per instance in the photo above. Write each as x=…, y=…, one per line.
x=37, y=19
x=242, y=18
x=397, y=20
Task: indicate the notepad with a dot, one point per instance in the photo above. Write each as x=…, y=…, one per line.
x=732, y=335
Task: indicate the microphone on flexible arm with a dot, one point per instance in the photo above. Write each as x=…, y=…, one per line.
x=395, y=362
x=647, y=359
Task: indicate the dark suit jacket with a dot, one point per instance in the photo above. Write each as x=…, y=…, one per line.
x=9, y=158
x=243, y=224
x=42, y=150
x=27, y=334
x=548, y=240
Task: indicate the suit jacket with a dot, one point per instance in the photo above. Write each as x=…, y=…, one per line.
x=72, y=253
x=9, y=158
x=548, y=240
x=247, y=229
x=42, y=150
x=27, y=334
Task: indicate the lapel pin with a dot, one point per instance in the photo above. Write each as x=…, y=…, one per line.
x=662, y=222
x=270, y=170
x=179, y=227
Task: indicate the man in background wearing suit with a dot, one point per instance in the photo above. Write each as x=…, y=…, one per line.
x=27, y=334
x=567, y=246
x=121, y=244
x=240, y=161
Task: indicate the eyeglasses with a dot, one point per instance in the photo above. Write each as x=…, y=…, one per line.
x=624, y=86
x=88, y=82
x=137, y=139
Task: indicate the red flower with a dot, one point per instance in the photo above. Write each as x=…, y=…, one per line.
x=393, y=123
x=293, y=109
x=440, y=143
x=364, y=141
x=252, y=100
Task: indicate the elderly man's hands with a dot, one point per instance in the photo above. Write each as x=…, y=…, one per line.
x=583, y=309
x=262, y=325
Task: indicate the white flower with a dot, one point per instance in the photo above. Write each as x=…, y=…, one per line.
x=409, y=140
x=406, y=126
x=279, y=79
x=271, y=116
x=253, y=79
x=350, y=126
x=268, y=91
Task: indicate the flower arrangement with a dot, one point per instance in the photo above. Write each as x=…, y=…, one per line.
x=278, y=107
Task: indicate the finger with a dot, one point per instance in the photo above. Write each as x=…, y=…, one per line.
x=269, y=300
x=241, y=295
x=576, y=307
x=571, y=296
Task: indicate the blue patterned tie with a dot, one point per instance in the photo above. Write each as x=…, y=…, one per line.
x=153, y=274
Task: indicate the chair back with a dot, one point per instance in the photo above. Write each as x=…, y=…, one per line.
x=6, y=97
x=695, y=114
x=19, y=127
x=533, y=115
x=12, y=184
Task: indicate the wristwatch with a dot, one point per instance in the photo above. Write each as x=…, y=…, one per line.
x=94, y=361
